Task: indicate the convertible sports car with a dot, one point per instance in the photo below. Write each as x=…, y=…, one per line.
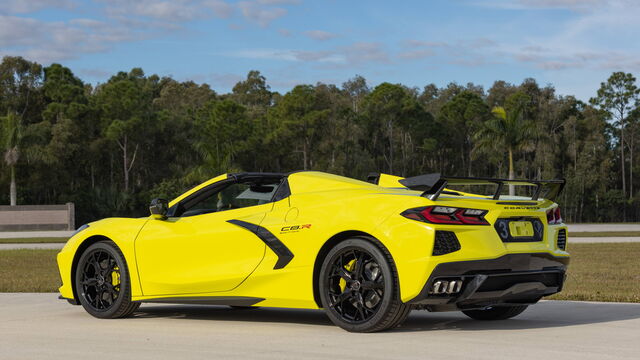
x=366, y=252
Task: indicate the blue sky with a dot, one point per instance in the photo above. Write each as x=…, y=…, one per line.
x=572, y=44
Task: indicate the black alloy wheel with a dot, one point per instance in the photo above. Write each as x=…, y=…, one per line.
x=359, y=287
x=102, y=282
x=356, y=285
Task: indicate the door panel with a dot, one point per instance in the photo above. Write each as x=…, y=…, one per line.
x=199, y=254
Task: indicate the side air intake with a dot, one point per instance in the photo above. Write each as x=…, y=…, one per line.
x=562, y=239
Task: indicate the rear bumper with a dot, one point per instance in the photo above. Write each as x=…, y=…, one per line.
x=509, y=279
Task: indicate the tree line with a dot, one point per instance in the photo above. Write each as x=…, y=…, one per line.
x=111, y=147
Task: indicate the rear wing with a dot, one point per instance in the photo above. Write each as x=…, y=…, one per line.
x=433, y=185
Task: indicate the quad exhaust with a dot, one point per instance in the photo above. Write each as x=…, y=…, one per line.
x=441, y=287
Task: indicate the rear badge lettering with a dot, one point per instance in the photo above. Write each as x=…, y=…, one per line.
x=294, y=228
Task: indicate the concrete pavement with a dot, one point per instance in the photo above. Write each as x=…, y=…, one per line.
x=610, y=239
x=56, y=246
x=34, y=234
x=38, y=326
x=602, y=227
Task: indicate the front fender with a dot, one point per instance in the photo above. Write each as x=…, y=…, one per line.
x=122, y=231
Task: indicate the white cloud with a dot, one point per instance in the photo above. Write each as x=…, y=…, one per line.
x=602, y=37
x=260, y=14
x=351, y=55
x=121, y=21
x=320, y=35
x=167, y=10
x=363, y=52
x=572, y=5
x=220, y=8
x=285, y=32
x=416, y=54
x=278, y=2
x=55, y=41
x=288, y=55
x=29, y=6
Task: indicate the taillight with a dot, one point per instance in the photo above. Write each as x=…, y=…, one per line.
x=554, y=216
x=447, y=215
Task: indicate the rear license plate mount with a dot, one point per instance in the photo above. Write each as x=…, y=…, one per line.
x=519, y=229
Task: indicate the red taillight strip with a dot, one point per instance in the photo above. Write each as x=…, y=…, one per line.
x=553, y=216
x=457, y=216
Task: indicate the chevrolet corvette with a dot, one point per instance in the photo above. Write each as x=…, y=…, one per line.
x=367, y=252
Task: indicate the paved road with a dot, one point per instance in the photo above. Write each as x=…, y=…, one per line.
x=603, y=227
x=34, y=234
x=612, y=239
x=32, y=246
x=38, y=326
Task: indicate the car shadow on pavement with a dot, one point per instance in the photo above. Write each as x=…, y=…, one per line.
x=547, y=314
x=226, y=313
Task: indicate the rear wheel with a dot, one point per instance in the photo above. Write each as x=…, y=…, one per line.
x=496, y=312
x=359, y=287
x=102, y=282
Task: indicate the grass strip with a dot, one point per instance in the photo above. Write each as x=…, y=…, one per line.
x=27, y=270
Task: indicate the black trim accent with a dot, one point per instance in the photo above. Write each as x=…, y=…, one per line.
x=282, y=192
x=432, y=185
x=208, y=300
x=475, y=272
x=527, y=203
x=284, y=254
x=373, y=178
x=256, y=175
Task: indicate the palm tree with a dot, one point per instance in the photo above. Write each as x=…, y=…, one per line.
x=11, y=132
x=506, y=130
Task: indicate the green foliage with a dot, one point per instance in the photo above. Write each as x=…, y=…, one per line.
x=113, y=147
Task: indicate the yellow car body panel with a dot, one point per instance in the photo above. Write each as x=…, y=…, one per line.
x=209, y=256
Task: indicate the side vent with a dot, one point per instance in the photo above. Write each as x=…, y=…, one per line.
x=562, y=239
x=446, y=242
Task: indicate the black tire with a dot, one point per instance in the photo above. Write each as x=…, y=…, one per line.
x=102, y=282
x=364, y=296
x=496, y=312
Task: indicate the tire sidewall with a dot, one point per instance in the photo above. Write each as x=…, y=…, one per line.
x=389, y=284
x=125, y=292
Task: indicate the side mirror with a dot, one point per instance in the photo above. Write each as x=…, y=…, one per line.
x=158, y=208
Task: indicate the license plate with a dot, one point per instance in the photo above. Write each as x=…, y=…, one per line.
x=521, y=229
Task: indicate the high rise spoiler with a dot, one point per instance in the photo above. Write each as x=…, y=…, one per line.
x=433, y=185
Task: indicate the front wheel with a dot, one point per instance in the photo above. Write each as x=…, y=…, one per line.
x=359, y=287
x=496, y=312
x=102, y=282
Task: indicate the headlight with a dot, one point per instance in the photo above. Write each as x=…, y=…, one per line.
x=80, y=229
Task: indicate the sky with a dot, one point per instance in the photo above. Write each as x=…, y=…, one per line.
x=571, y=44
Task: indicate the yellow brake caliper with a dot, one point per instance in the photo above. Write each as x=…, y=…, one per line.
x=115, y=277
x=349, y=267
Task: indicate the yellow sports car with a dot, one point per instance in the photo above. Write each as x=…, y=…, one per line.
x=366, y=252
